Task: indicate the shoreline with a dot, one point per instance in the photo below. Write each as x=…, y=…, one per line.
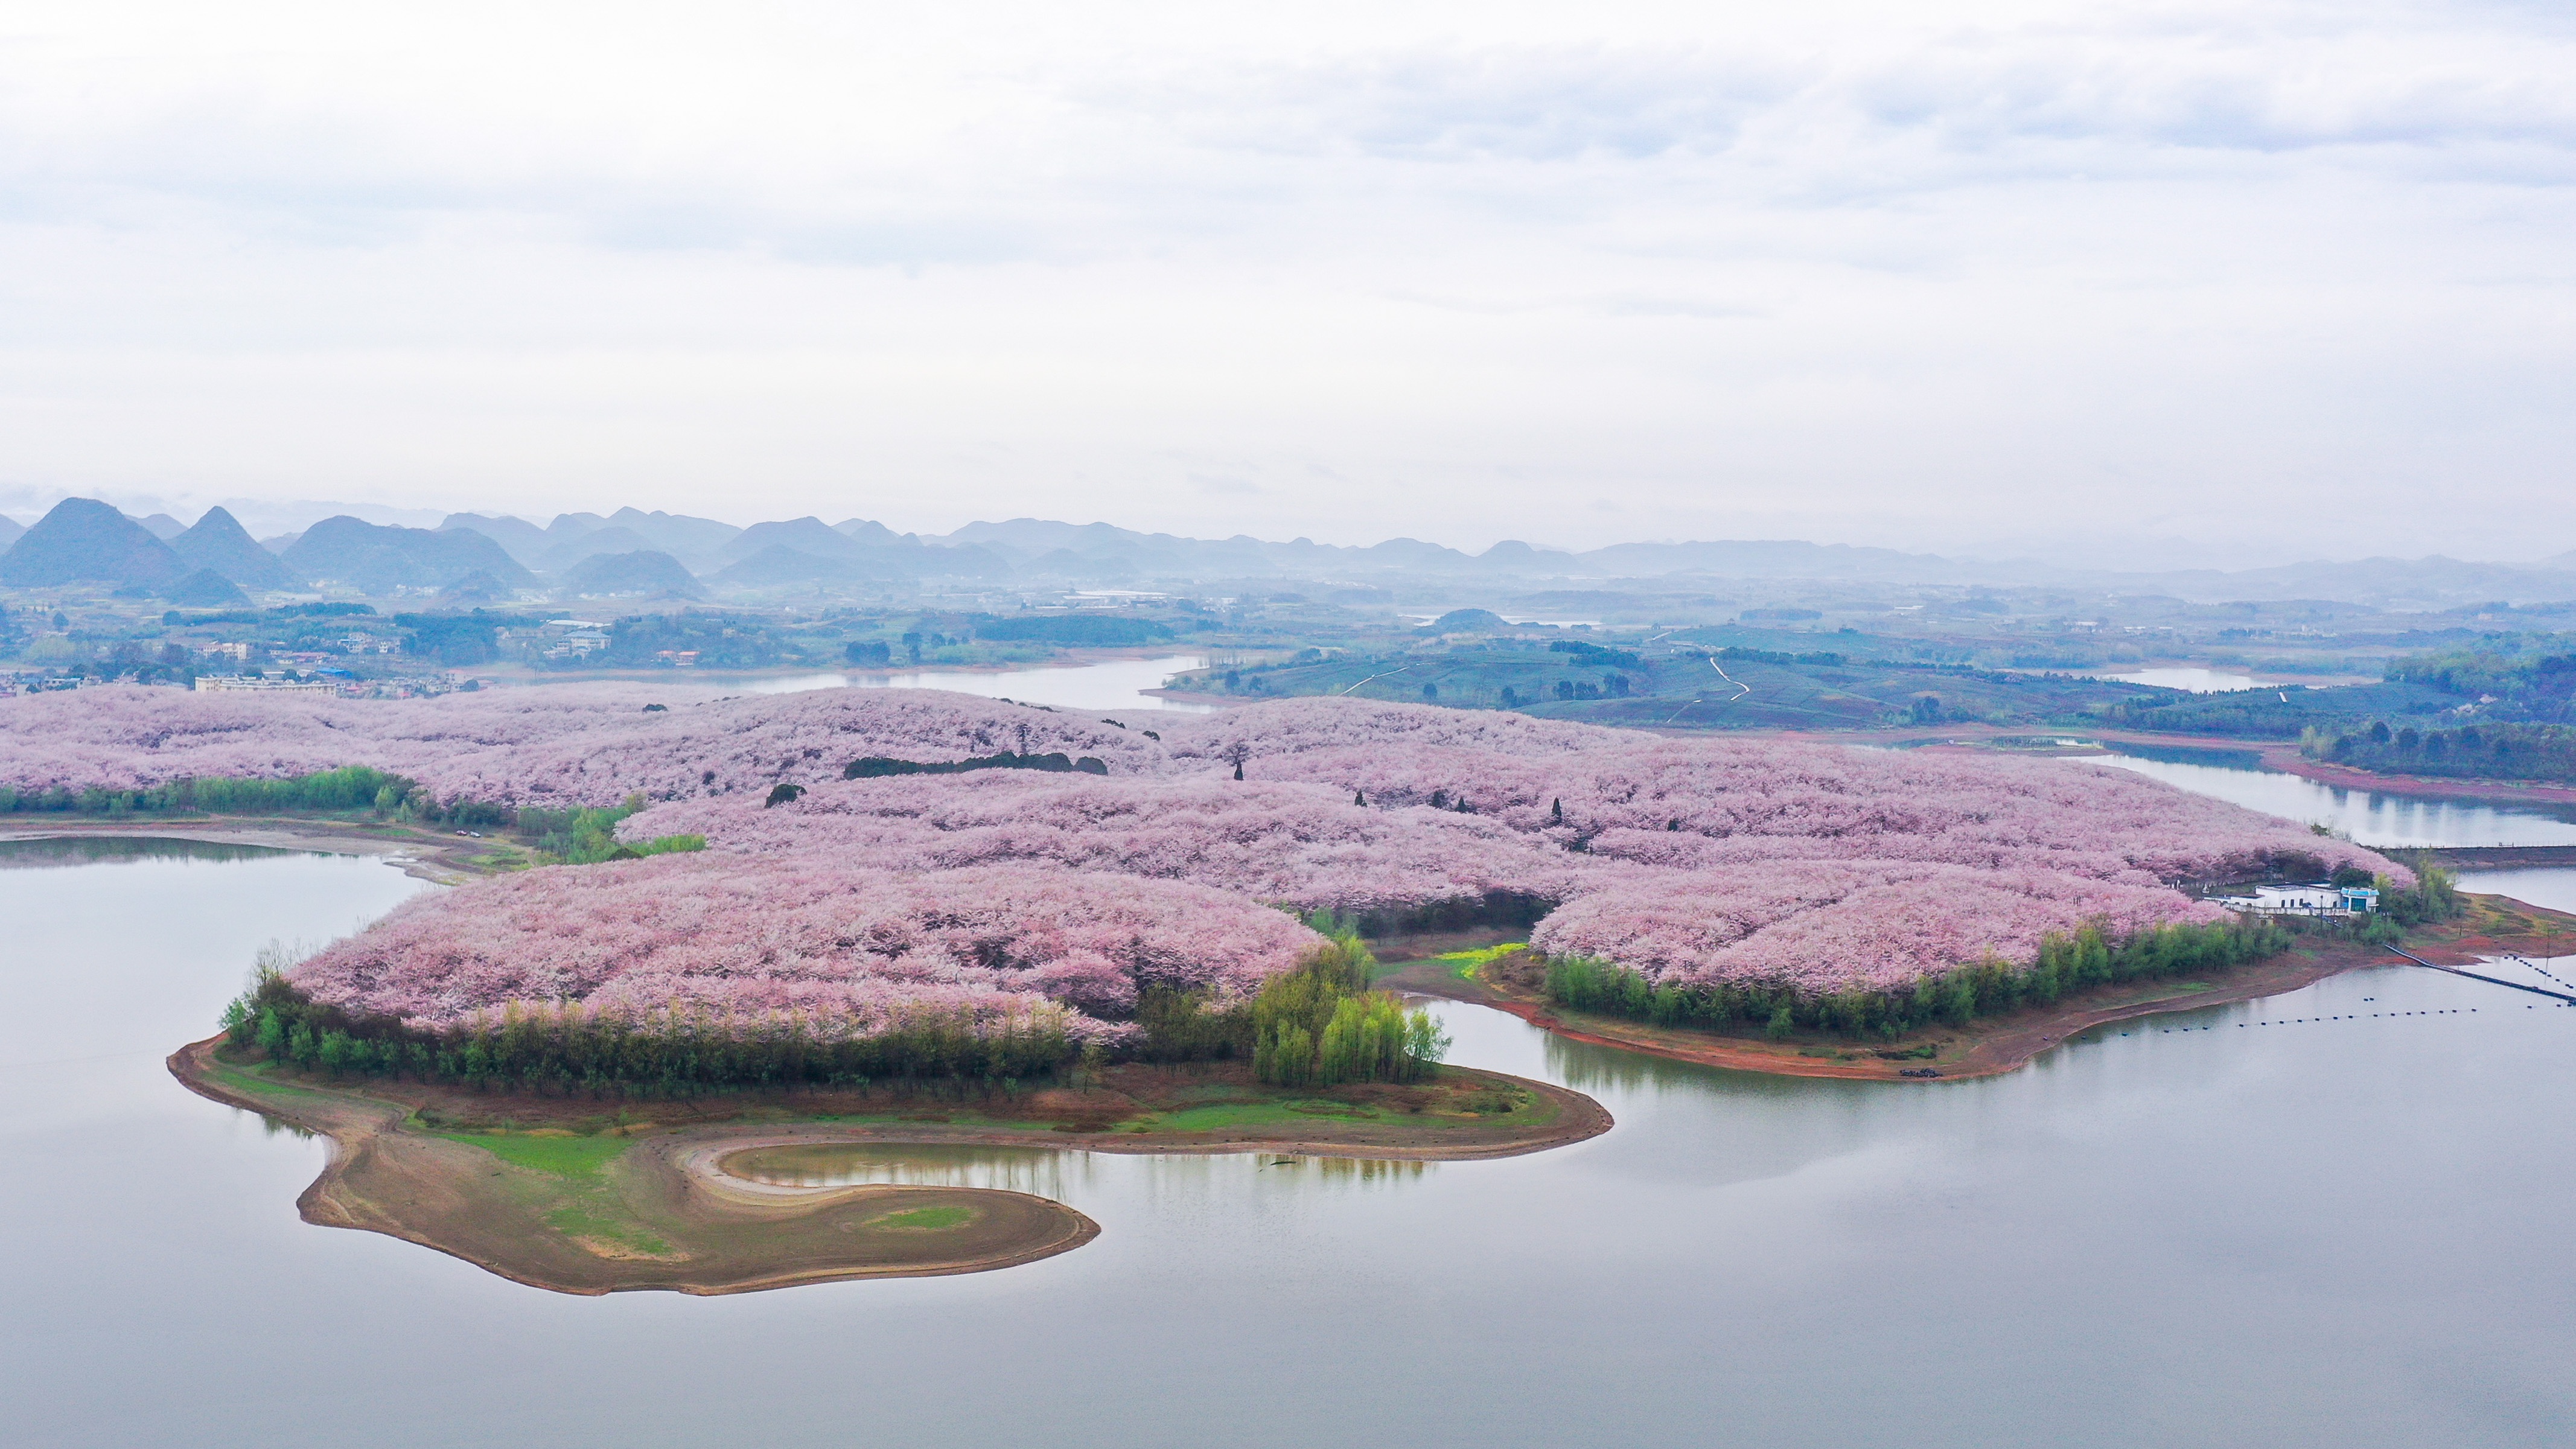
x=439, y=1193
x=442, y=859
x=1991, y=1046
x=646, y=1205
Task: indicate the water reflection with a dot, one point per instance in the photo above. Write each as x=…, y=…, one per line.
x=59, y=852
x=2198, y=681
x=1067, y=1175
x=1040, y=1171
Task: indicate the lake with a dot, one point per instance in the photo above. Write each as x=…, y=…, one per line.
x=1108, y=684
x=2199, y=680
x=2241, y=1226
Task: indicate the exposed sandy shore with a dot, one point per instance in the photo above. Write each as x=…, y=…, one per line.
x=645, y=1223
x=663, y=1214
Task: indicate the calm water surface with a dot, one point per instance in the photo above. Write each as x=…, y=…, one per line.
x=2198, y=681
x=2308, y=1232
x=2367, y=816
x=1110, y=684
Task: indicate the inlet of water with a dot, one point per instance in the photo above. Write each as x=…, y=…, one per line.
x=2369, y=817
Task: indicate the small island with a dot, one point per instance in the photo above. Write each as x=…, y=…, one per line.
x=577, y=1194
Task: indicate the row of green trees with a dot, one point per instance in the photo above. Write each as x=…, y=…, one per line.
x=1316, y=1026
x=671, y=1052
x=351, y=787
x=2065, y=962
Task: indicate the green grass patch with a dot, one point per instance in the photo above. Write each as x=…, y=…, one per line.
x=1465, y=964
x=574, y=1157
x=928, y=1218
x=1224, y=1116
x=253, y=1079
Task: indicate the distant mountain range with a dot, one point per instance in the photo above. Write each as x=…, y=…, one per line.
x=632, y=553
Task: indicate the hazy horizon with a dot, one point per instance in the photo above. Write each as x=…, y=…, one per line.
x=272, y=518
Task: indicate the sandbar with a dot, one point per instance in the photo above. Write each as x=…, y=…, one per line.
x=580, y=1194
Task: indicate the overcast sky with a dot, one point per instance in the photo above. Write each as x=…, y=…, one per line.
x=2286, y=279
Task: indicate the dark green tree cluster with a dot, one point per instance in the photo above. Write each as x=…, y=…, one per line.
x=2273, y=713
x=1595, y=654
x=455, y=640
x=2528, y=677
x=877, y=767
x=1501, y=910
x=1773, y=656
x=2065, y=963
x=2494, y=751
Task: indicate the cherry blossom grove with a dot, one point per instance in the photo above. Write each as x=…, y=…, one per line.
x=1705, y=802
x=727, y=934
x=1845, y=925
x=1808, y=864
x=555, y=746
x=1300, y=845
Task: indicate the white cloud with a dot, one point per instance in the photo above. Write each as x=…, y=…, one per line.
x=1462, y=272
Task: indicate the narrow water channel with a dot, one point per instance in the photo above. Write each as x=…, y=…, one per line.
x=2369, y=817
x=2347, y=1226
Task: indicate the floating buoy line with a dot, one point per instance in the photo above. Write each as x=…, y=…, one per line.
x=2557, y=1001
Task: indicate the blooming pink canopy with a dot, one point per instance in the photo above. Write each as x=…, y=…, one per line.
x=1811, y=865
